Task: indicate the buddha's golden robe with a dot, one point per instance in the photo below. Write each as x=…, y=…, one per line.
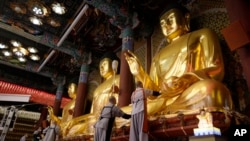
x=187, y=72
x=84, y=124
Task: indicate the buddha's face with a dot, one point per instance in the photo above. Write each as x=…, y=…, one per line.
x=105, y=67
x=72, y=88
x=173, y=23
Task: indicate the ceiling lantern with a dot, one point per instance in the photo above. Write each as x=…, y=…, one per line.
x=53, y=22
x=32, y=50
x=15, y=43
x=58, y=8
x=35, y=20
x=38, y=8
x=7, y=53
x=34, y=57
x=22, y=59
x=20, y=51
x=18, y=8
x=3, y=46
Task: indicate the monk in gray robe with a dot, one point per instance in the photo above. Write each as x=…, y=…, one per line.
x=103, y=126
x=138, y=125
x=52, y=132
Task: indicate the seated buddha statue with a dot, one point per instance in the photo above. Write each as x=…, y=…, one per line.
x=68, y=109
x=109, y=86
x=67, y=112
x=110, y=83
x=187, y=72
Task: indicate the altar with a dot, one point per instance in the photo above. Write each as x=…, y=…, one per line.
x=166, y=127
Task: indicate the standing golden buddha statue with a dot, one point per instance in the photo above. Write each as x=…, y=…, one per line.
x=188, y=71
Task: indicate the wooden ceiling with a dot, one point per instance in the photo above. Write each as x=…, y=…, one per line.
x=61, y=38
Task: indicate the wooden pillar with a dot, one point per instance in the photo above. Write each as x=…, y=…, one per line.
x=126, y=78
x=42, y=122
x=236, y=34
x=58, y=99
x=59, y=82
x=81, y=91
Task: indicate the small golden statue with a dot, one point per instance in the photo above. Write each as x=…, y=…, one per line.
x=68, y=109
x=205, y=125
x=205, y=119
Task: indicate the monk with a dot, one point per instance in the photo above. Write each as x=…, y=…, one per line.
x=187, y=72
x=103, y=127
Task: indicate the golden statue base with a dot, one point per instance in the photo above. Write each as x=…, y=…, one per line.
x=164, y=127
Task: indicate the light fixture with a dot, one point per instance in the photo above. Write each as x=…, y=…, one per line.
x=6, y=53
x=17, y=52
x=15, y=43
x=3, y=46
x=22, y=59
x=32, y=50
x=34, y=57
x=38, y=8
x=58, y=8
x=35, y=20
x=53, y=22
x=18, y=8
x=20, y=51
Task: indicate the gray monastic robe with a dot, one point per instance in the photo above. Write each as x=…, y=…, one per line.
x=136, y=125
x=51, y=132
x=103, y=126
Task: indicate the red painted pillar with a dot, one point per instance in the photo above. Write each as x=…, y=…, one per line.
x=236, y=34
x=81, y=91
x=126, y=78
x=59, y=82
x=58, y=99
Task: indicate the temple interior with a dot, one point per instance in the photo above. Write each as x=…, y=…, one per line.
x=48, y=45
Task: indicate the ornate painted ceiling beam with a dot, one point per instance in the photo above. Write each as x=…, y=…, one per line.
x=120, y=12
x=111, y=8
x=46, y=39
x=32, y=67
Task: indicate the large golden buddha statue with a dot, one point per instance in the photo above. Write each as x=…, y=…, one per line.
x=187, y=72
